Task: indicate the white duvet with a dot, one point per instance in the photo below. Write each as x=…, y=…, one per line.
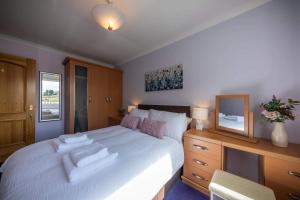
x=143, y=166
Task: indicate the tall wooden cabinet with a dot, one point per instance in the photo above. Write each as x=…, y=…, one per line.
x=93, y=93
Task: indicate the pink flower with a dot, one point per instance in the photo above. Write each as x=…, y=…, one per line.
x=264, y=112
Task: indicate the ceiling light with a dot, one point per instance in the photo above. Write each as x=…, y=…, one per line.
x=108, y=16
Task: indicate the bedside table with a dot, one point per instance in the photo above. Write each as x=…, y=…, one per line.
x=114, y=120
x=201, y=159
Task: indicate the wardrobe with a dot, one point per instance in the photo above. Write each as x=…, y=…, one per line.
x=92, y=94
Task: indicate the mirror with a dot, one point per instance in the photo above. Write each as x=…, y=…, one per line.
x=232, y=113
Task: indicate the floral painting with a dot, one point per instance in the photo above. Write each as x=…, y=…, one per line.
x=169, y=78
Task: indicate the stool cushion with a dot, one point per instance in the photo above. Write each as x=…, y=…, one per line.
x=232, y=187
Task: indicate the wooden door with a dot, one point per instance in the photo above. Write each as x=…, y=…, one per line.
x=115, y=94
x=17, y=103
x=97, y=94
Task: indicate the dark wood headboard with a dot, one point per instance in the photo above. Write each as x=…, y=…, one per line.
x=169, y=108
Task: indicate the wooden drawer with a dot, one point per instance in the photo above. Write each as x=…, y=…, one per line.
x=202, y=147
x=197, y=175
x=202, y=162
x=284, y=192
x=282, y=176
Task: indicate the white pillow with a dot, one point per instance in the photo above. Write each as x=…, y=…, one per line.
x=141, y=114
x=176, y=123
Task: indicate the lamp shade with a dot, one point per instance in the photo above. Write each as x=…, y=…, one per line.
x=108, y=16
x=200, y=113
x=131, y=108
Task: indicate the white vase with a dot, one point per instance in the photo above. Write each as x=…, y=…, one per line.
x=279, y=135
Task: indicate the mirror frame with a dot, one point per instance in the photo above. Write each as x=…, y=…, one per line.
x=245, y=98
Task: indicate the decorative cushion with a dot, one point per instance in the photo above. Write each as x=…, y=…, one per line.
x=130, y=122
x=141, y=114
x=176, y=123
x=154, y=128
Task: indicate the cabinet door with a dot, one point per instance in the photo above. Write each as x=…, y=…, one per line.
x=97, y=97
x=115, y=88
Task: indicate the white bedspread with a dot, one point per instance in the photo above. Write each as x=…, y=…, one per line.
x=143, y=166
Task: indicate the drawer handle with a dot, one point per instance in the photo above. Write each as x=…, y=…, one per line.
x=199, y=177
x=293, y=196
x=294, y=174
x=201, y=147
x=200, y=162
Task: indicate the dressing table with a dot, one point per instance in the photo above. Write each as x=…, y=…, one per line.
x=205, y=152
x=233, y=127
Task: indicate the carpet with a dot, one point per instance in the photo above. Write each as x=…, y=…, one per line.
x=181, y=191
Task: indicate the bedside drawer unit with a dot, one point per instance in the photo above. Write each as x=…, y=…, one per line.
x=201, y=159
x=203, y=147
x=283, y=177
x=202, y=162
x=197, y=175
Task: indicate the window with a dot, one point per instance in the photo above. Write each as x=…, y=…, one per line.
x=50, y=96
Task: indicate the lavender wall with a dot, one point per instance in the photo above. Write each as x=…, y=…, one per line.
x=255, y=53
x=48, y=60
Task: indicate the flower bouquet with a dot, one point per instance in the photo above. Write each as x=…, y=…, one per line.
x=277, y=112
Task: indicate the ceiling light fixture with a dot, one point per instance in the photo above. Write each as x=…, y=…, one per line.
x=108, y=16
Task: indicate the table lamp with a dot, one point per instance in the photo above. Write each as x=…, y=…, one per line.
x=200, y=114
x=131, y=108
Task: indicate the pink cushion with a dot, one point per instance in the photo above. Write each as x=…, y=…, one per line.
x=154, y=128
x=130, y=122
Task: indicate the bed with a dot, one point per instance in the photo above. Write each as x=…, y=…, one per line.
x=144, y=165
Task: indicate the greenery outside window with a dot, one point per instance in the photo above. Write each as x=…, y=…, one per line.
x=50, y=96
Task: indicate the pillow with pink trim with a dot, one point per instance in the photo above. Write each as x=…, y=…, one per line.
x=130, y=122
x=154, y=128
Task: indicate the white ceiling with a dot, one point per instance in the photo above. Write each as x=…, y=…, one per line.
x=150, y=24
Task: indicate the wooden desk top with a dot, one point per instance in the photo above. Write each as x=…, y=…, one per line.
x=263, y=147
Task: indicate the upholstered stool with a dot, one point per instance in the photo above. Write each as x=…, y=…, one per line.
x=231, y=187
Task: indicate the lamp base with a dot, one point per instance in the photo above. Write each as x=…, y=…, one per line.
x=199, y=125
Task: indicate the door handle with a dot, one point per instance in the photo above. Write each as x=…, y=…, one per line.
x=90, y=99
x=30, y=107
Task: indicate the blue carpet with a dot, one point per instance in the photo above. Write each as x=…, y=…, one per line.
x=181, y=191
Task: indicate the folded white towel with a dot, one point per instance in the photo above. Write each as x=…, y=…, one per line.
x=76, y=173
x=72, y=138
x=63, y=147
x=88, y=154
